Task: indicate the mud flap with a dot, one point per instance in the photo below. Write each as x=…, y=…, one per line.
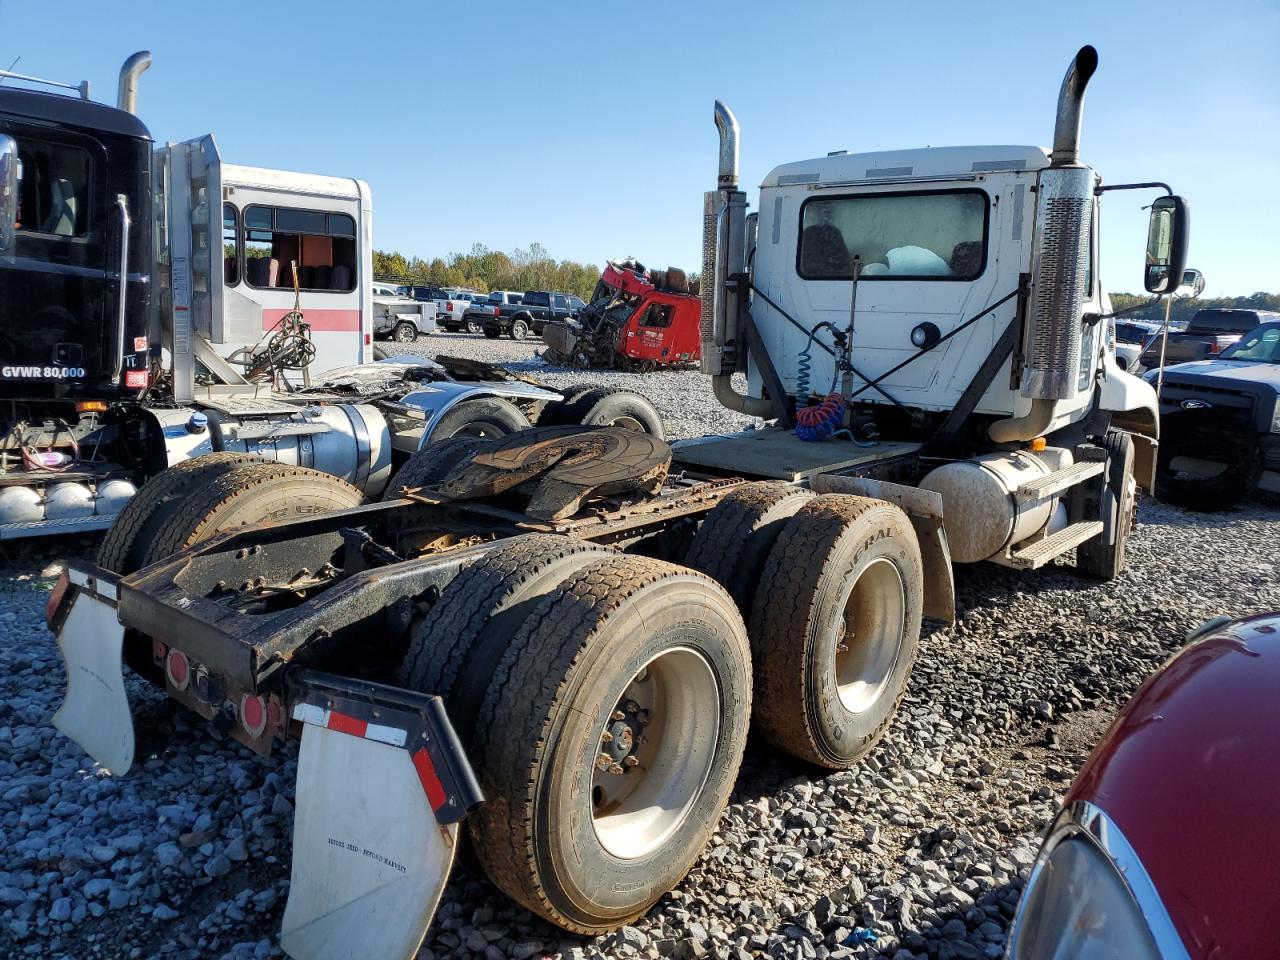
x=95, y=711
x=382, y=785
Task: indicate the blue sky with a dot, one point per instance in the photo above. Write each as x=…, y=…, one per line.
x=587, y=127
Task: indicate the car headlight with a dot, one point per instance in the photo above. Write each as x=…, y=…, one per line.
x=1089, y=898
x=1275, y=416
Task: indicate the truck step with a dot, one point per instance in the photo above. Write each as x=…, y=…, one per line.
x=1053, y=483
x=1036, y=555
x=47, y=528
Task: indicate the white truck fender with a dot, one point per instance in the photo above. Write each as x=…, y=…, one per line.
x=1135, y=410
x=437, y=399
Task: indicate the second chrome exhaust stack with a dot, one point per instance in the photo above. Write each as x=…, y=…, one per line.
x=1066, y=129
x=1053, y=337
x=724, y=266
x=127, y=93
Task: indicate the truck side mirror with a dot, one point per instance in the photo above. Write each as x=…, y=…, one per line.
x=1192, y=285
x=8, y=189
x=1166, y=244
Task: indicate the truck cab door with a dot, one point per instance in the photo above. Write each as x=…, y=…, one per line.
x=559, y=307
x=57, y=284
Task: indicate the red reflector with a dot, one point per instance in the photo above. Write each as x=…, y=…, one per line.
x=177, y=669
x=368, y=339
x=158, y=650
x=253, y=715
x=55, y=598
x=135, y=379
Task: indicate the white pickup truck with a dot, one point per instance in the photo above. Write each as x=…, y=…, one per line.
x=453, y=309
x=401, y=318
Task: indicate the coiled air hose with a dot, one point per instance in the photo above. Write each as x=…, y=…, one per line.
x=822, y=421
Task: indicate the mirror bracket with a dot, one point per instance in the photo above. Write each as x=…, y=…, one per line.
x=1152, y=185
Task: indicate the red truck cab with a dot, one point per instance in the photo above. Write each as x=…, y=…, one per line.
x=663, y=326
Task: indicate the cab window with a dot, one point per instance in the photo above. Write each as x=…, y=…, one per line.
x=321, y=244
x=896, y=236
x=53, y=195
x=230, y=245
x=658, y=315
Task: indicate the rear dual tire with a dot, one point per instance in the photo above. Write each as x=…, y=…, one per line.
x=127, y=544
x=834, y=628
x=537, y=649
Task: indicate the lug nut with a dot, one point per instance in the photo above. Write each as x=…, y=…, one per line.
x=606, y=737
x=631, y=761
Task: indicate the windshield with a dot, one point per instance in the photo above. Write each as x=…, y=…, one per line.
x=1260, y=344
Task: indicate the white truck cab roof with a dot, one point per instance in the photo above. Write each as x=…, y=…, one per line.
x=926, y=162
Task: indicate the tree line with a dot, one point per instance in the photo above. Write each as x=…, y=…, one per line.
x=1185, y=309
x=531, y=268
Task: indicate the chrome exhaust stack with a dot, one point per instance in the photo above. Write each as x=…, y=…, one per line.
x=1059, y=263
x=127, y=93
x=724, y=253
x=724, y=265
x=727, y=127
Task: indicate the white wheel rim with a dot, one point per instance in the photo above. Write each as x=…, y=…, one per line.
x=870, y=635
x=637, y=806
x=627, y=423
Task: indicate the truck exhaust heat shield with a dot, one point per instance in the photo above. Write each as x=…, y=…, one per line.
x=1064, y=222
x=382, y=786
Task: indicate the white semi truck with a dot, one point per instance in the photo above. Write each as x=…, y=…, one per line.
x=561, y=637
x=157, y=303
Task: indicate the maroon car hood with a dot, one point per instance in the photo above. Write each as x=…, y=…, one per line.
x=1190, y=773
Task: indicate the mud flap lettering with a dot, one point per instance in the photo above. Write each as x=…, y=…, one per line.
x=95, y=712
x=382, y=785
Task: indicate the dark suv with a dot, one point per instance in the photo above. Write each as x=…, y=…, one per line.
x=1220, y=424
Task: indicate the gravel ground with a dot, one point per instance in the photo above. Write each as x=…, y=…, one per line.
x=920, y=851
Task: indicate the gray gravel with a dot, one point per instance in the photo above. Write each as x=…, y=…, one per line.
x=921, y=851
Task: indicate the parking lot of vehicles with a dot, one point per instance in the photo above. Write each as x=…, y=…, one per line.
x=1191, y=756
x=1208, y=333
x=1221, y=418
x=527, y=318
x=562, y=634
